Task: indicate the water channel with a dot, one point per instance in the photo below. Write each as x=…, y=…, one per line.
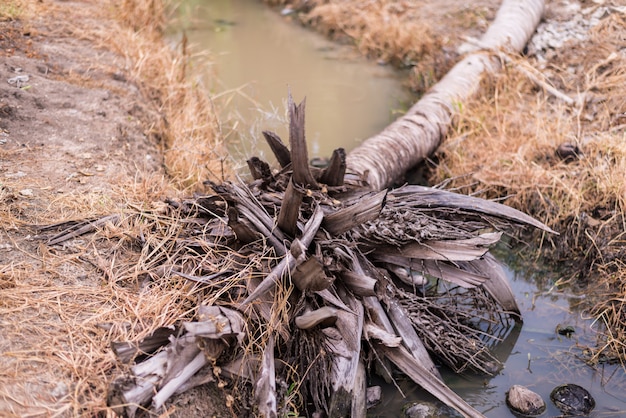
x=257, y=55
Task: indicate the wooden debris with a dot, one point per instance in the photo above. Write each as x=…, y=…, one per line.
x=299, y=155
x=280, y=150
x=307, y=265
x=334, y=174
x=290, y=210
x=325, y=316
x=265, y=388
x=345, y=219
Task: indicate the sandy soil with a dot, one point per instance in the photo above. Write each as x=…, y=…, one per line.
x=73, y=142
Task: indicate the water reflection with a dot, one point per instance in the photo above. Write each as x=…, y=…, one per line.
x=258, y=56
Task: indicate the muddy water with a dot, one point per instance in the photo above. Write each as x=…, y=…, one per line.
x=257, y=55
x=534, y=355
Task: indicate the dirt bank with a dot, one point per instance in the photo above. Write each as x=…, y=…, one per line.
x=81, y=134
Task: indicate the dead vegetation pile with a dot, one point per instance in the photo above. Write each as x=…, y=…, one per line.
x=553, y=124
x=301, y=282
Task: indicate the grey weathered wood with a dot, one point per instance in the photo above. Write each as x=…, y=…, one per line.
x=191, y=367
x=299, y=155
x=280, y=150
x=359, y=284
x=440, y=269
x=310, y=276
x=497, y=284
x=290, y=210
x=288, y=262
x=334, y=174
x=359, y=402
x=325, y=316
x=126, y=399
x=428, y=197
x=373, y=331
x=259, y=169
x=265, y=387
x=346, y=350
x=403, y=325
x=452, y=250
x=243, y=229
x=127, y=351
x=345, y=219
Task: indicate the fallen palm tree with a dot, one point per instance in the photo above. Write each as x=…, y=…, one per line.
x=305, y=280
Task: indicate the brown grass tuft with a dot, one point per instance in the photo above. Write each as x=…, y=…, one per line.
x=185, y=122
x=504, y=146
x=61, y=306
x=393, y=32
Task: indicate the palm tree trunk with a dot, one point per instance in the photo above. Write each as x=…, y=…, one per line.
x=385, y=157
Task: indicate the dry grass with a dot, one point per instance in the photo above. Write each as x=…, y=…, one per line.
x=60, y=307
x=187, y=126
x=393, y=32
x=504, y=145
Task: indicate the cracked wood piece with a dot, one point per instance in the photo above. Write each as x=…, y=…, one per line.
x=373, y=331
x=259, y=219
x=310, y=276
x=265, y=387
x=126, y=398
x=334, y=174
x=299, y=155
x=216, y=322
x=451, y=250
x=243, y=229
x=251, y=209
x=497, y=284
x=290, y=210
x=259, y=169
x=288, y=263
x=346, y=348
x=440, y=269
x=367, y=208
x=280, y=150
x=127, y=350
x=403, y=325
x=198, y=361
x=360, y=284
x=428, y=197
x=325, y=316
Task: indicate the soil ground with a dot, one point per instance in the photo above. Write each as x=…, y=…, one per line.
x=77, y=140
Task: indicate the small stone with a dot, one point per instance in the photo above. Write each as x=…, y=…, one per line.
x=419, y=410
x=26, y=192
x=572, y=399
x=373, y=396
x=60, y=390
x=524, y=401
x=568, y=152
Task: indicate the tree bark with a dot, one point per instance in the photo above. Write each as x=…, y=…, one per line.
x=385, y=157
